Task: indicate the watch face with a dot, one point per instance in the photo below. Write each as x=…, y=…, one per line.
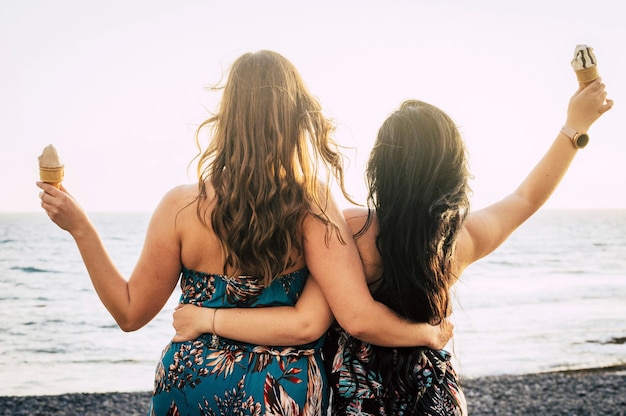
x=582, y=140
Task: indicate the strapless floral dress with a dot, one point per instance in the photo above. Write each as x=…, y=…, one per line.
x=216, y=376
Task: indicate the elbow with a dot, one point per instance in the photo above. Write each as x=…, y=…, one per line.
x=310, y=331
x=129, y=324
x=357, y=328
x=128, y=328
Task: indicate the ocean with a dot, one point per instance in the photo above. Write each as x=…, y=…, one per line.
x=553, y=297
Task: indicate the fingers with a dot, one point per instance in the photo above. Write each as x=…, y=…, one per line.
x=447, y=323
x=177, y=337
x=596, y=95
x=588, y=85
x=595, y=87
x=607, y=106
x=445, y=333
x=595, y=84
x=52, y=190
x=45, y=201
x=48, y=197
x=46, y=187
x=48, y=192
x=606, y=103
x=449, y=327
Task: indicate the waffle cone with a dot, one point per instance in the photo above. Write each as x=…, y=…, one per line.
x=53, y=176
x=587, y=75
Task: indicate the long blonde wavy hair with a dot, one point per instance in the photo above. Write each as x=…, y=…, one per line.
x=269, y=138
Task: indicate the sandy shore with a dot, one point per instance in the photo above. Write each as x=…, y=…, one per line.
x=586, y=392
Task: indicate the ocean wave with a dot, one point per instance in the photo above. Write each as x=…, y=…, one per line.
x=614, y=340
x=31, y=269
x=111, y=361
x=51, y=350
x=32, y=356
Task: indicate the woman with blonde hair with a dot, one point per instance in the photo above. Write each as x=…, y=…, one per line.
x=247, y=235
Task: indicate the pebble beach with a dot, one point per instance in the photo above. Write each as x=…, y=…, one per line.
x=589, y=392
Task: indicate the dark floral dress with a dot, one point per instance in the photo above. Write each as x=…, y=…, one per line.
x=217, y=376
x=369, y=380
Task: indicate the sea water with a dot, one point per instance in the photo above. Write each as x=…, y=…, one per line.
x=552, y=297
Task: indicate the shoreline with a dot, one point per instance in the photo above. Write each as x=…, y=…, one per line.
x=589, y=391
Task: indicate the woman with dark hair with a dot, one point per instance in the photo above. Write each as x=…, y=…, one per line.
x=415, y=240
x=417, y=176
x=247, y=235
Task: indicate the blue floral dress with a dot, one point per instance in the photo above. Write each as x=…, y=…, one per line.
x=216, y=376
x=369, y=380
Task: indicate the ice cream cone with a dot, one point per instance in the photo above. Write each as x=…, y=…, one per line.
x=51, y=170
x=585, y=64
x=53, y=176
x=588, y=75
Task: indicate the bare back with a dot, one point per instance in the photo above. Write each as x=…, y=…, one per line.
x=199, y=245
x=366, y=243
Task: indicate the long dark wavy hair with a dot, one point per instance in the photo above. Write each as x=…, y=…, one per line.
x=269, y=138
x=417, y=177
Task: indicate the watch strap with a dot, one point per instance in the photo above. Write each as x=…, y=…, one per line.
x=573, y=136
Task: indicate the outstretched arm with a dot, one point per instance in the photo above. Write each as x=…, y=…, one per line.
x=133, y=302
x=487, y=228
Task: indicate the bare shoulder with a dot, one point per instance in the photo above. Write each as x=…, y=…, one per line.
x=356, y=218
x=175, y=201
x=181, y=194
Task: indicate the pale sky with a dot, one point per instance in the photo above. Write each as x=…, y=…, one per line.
x=119, y=86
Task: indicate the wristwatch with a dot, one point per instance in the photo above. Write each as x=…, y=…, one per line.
x=579, y=140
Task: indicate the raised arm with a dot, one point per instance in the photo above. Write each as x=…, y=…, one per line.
x=133, y=302
x=487, y=228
